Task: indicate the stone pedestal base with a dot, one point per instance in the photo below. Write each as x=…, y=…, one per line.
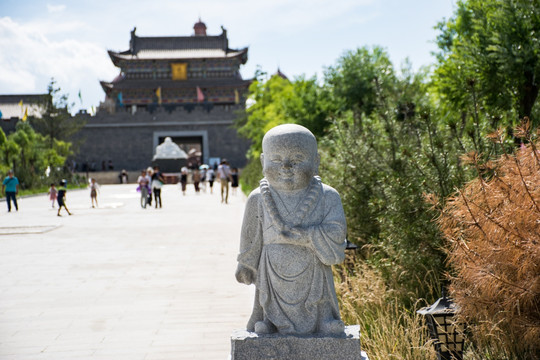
x=251, y=346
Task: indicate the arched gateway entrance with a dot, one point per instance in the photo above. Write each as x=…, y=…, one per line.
x=194, y=143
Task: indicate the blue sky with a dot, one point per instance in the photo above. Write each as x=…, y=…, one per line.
x=68, y=40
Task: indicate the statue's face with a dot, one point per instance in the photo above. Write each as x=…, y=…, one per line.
x=289, y=165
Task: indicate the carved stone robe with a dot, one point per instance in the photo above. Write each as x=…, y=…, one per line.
x=295, y=288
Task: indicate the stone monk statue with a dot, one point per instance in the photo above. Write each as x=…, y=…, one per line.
x=293, y=231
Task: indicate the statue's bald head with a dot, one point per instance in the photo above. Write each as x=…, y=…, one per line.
x=289, y=157
x=293, y=134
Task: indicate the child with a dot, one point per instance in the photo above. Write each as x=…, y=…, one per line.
x=52, y=194
x=149, y=173
x=293, y=231
x=94, y=189
x=62, y=197
x=144, y=188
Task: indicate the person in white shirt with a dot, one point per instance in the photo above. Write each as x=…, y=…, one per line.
x=94, y=190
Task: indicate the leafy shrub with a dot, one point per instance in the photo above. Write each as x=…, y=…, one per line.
x=251, y=175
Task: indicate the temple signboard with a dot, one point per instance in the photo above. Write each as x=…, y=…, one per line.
x=179, y=71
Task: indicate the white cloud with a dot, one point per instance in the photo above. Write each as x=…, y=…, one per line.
x=31, y=59
x=55, y=8
x=70, y=43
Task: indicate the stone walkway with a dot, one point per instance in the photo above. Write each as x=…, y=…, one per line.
x=121, y=282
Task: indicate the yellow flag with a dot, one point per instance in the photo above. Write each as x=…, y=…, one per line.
x=236, y=96
x=25, y=115
x=20, y=103
x=158, y=94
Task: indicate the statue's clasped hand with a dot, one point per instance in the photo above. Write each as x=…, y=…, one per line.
x=294, y=236
x=245, y=275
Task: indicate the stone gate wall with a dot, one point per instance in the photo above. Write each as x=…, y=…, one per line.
x=129, y=139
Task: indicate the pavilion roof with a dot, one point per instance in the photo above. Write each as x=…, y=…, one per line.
x=178, y=47
x=166, y=54
x=178, y=42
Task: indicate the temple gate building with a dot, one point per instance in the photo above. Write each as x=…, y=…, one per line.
x=188, y=88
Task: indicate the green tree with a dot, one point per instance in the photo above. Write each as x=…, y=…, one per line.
x=265, y=112
x=308, y=105
x=489, y=60
x=29, y=154
x=278, y=101
x=357, y=80
x=8, y=150
x=56, y=122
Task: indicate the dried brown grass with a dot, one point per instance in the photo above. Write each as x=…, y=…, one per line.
x=493, y=228
x=388, y=329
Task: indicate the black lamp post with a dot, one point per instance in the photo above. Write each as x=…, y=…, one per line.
x=351, y=246
x=448, y=334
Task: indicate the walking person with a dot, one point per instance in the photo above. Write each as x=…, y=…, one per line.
x=224, y=174
x=53, y=193
x=94, y=189
x=157, y=184
x=144, y=188
x=234, y=181
x=11, y=187
x=196, y=180
x=62, y=197
x=183, y=179
x=203, y=180
x=149, y=173
x=123, y=177
x=211, y=177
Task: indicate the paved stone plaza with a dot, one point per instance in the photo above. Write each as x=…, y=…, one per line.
x=120, y=282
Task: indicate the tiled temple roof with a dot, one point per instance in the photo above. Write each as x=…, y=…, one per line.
x=178, y=47
x=26, y=98
x=178, y=42
x=177, y=54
